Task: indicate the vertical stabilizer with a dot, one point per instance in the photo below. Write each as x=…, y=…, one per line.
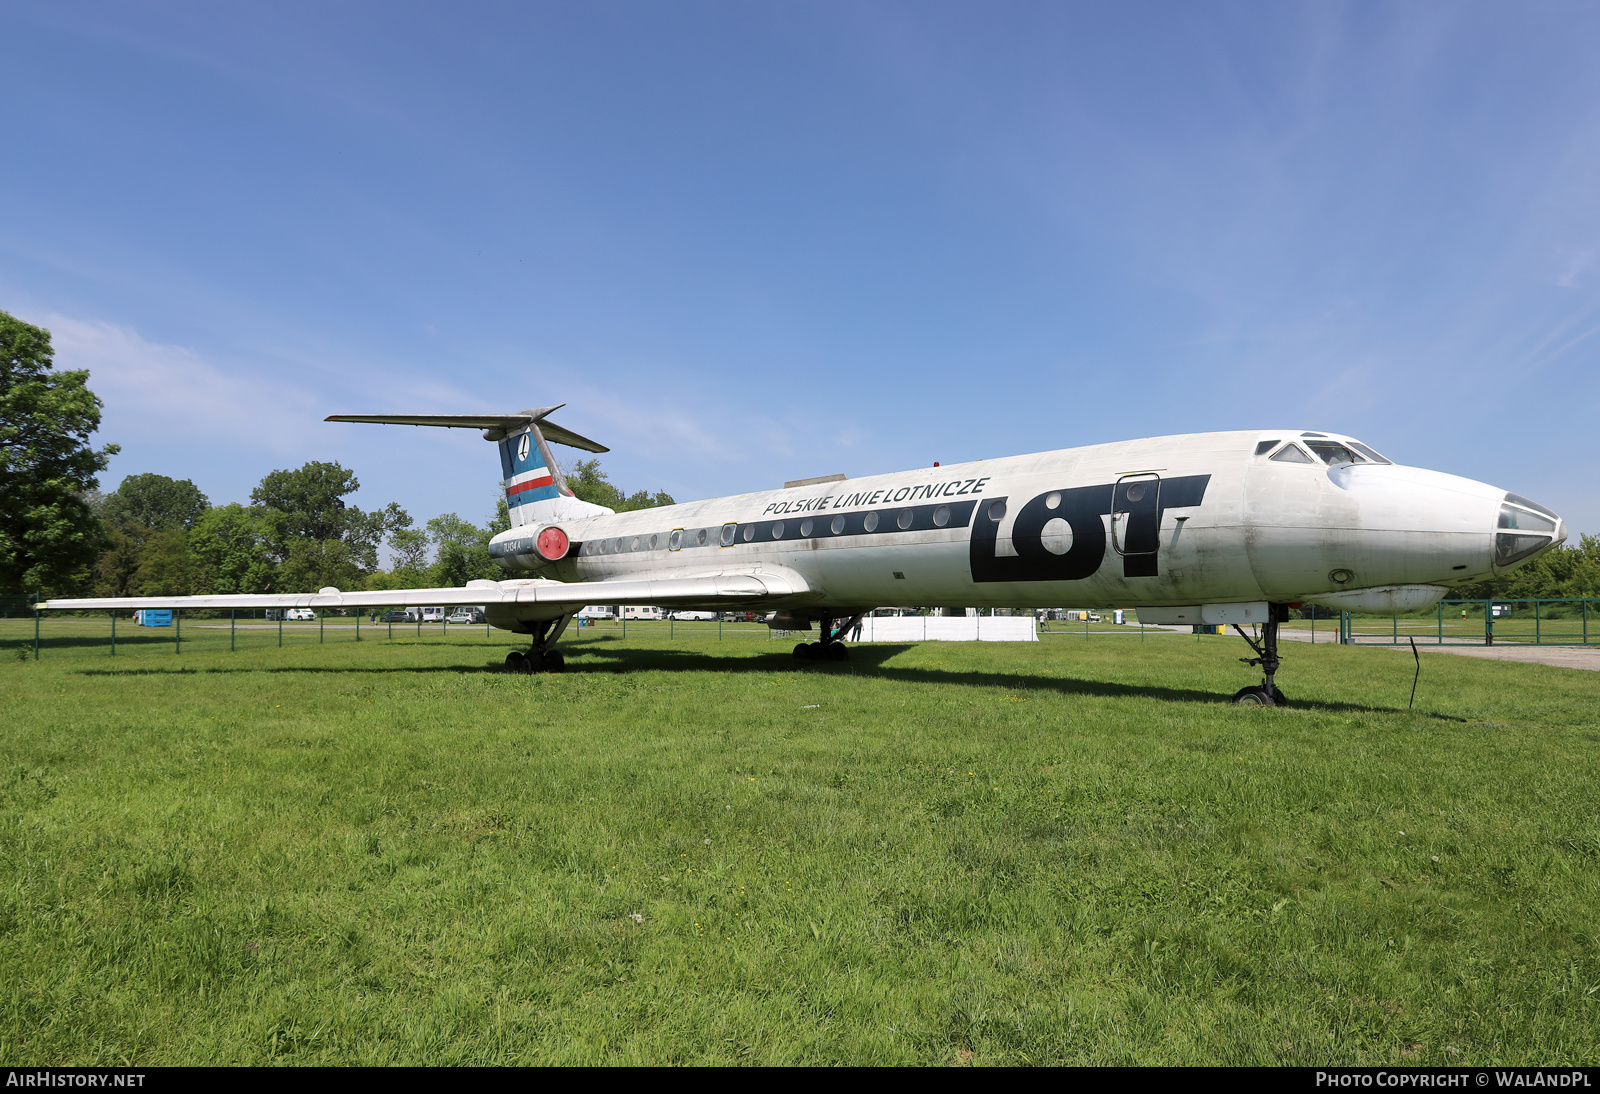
x=536, y=493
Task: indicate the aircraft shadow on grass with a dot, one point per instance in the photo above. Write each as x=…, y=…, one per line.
x=594, y=656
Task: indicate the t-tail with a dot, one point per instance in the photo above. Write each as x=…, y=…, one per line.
x=536, y=492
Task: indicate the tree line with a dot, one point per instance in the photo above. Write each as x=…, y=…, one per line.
x=158, y=536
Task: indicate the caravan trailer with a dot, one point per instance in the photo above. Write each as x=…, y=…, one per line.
x=642, y=611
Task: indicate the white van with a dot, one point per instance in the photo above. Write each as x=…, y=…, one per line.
x=701, y=617
x=642, y=611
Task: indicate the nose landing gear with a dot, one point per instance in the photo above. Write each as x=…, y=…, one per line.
x=1265, y=694
x=541, y=657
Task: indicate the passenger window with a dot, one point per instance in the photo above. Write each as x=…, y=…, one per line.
x=675, y=541
x=728, y=531
x=1266, y=446
x=1291, y=453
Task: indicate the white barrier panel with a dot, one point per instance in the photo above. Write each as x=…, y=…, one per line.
x=935, y=628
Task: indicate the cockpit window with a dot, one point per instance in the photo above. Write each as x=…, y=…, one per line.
x=1368, y=453
x=1511, y=516
x=1266, y=446
x=1334, y=452
x=1518, y=499
x=1291, y=453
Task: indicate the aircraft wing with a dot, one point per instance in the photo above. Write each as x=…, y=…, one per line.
x=752, y=587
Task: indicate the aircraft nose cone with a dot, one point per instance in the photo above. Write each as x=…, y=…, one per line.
x=1524, y=529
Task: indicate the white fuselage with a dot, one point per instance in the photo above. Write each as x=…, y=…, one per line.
x=1200, y=518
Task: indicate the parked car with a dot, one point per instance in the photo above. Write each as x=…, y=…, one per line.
x=466, y=615
x=394, y=615
x=300, y=613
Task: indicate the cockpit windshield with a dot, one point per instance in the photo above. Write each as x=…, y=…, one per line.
x=1334, y=452
x=1344, y=452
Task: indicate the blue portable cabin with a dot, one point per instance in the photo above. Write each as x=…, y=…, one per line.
x=149, y=617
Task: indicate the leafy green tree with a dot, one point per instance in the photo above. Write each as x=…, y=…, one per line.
x=154, y=501
x=462, y=551
x=311, y=498
x=116, y=571
x=1565, y=571
x=588, y=483
x=231, y=548
x=165, y=566
x=408, y=546
x=48, y=534
x=316, y=564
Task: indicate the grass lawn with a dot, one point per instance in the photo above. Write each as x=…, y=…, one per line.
x=686, y=850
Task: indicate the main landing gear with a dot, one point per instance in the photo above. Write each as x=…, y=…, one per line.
x=1265, y=694
x=832, y=647
x=541, y=657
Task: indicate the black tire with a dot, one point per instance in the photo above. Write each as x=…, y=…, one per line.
x=804, y=652
x=554, y=662
x=1252, y=697
x=514, y=662
x=838, y=651
x=1279, y=699
x=533, y=662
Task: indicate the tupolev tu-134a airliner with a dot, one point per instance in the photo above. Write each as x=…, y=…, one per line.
x=1227, y=528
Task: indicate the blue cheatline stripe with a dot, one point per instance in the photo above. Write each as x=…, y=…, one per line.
x=543, y=493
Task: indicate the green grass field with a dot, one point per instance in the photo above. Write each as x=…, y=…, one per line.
x=686, y=850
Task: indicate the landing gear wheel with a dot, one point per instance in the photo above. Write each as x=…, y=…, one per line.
x=554, y=662
x=1258, y=697
x=515, y=662
x=805, y=651
x=837, y=651
x=533, y=662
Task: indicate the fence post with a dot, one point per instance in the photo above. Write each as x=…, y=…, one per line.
x=233, y=628
x=1537, y=637
x=1586, y=621
x=36, y=614
x=1395, y=619
x=1441, y=623
x=177, y=630
x=358, y=626
x=113, y=632
x=280, y=628
x=319, y=626
x=1488, y=622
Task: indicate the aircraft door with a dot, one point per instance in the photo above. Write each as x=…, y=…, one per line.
x=1136, y=522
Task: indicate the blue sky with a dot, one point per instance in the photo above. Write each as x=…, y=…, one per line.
x=749, y=242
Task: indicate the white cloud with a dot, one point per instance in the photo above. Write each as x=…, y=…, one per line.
x=153, y=389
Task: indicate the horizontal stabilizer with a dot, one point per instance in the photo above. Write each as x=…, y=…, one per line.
x=505, y=423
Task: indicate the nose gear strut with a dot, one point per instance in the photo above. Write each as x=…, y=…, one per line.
x=1266, y=694
x=541, y=656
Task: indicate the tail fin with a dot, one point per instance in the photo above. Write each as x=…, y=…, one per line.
x=536, y=493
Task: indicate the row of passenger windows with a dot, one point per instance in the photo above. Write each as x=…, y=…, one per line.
x=1329, y=451
x=699, y=537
